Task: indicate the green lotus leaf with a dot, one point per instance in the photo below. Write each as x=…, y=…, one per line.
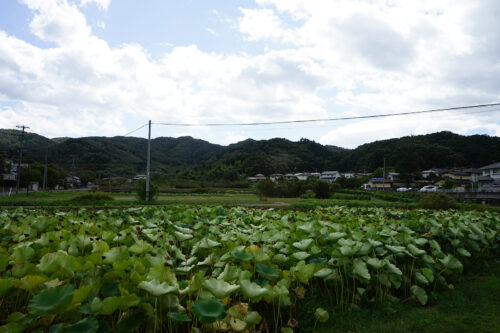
x=81, y=294
x=323, y=273
x=420, y=241
x=252, y=290
x=208, y=311
x=182, y=237
x=140, y=247
x=306, y=227
x=111, y=304
x=89, y=324
x=335, y=236
x=304, y=273
x=374, y=242
x=58, y=262
x=429, y=275
x=220, y=288
x=392, y=268
x=230, y=273
x=155, y=288
x=321, y=315
x=4, y=261
x=301, y=255
x=241, y=255
x=15, y=317
x=30, y=282
x=415, y=250
x=360, y=269
x=207, y=243
x=286, y=330
x=178, y=317
x=375, y=263
x=12, y=328
x=419, y=293
x=267, y=271
x=51, y=300
x=396, y=249
x=252, y=318
x=451, y=263
x=303, y=244
x=463, y=252
x=279, y=258
x=348, y=250
x=22, y=254
x=5, y=285
x=421, y=278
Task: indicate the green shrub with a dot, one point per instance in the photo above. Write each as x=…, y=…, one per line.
x=97, y=196
x=322, y=190
x=200, y=190
x=140, y=190
x=437, y=201
x=308, y=195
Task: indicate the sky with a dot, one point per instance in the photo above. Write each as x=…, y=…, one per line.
x=105, y=67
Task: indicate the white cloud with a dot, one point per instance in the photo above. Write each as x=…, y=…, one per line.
x=101, y=25
x=370, y=56
x=211, y=31
x=101, y=4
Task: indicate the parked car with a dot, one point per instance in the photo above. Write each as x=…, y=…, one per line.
x=403, y=189
x=430, y=188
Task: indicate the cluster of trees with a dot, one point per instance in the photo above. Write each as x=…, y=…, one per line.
x=296, y=188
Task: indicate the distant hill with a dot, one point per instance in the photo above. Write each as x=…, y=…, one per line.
x=189, y=158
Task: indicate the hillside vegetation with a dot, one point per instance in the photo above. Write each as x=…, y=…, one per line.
x=189, y=158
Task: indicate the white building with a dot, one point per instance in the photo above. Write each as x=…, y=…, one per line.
x=330, y=176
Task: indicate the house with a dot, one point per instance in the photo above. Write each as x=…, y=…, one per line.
x=348, y=175
x=275, y=177
x=257, y=177
x=461, y=179
x=302, y=175
x=290, y=176
x=393, y=176
x=314, y=175
x=330, y=176
x=380, y=184
x=137, y=177
x=73, y=182
x=435, y=171
x=492, y=170
x=489, y=181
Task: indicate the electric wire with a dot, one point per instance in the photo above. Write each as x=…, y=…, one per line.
x=135, y=129
x=328, y=119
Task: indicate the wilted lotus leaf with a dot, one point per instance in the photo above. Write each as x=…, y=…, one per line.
x=321, y=315
x=52, y=300
x=208, y=311
x=300, y=292
x=252, y=318
x=220, y=288
x=237, y=325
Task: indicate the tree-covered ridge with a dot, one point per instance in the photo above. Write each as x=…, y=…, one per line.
x=189, y=158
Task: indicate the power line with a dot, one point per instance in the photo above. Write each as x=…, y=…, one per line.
x=136, y=129
x=327, y=119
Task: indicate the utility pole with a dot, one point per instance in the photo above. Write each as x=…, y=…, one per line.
x=384, y=167
x=148, y=162
x=20, y=158
x=45, y=170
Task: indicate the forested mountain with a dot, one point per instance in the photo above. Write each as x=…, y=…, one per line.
x=189, y=158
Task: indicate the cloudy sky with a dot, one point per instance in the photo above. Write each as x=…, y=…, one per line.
x=105, y=67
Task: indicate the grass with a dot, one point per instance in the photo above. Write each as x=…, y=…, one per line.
x=346, y=198
x=472, y=306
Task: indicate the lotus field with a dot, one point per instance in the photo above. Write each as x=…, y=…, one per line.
x=199, y=269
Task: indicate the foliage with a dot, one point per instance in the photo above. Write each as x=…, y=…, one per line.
x=97, y=196
x=448, y=183
x=309, y=194
x=216, y=267
x=140, y=190
x=437, y=201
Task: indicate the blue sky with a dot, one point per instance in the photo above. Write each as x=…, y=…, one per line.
x=105, y=67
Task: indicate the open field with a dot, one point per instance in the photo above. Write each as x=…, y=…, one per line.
x=181, y=268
